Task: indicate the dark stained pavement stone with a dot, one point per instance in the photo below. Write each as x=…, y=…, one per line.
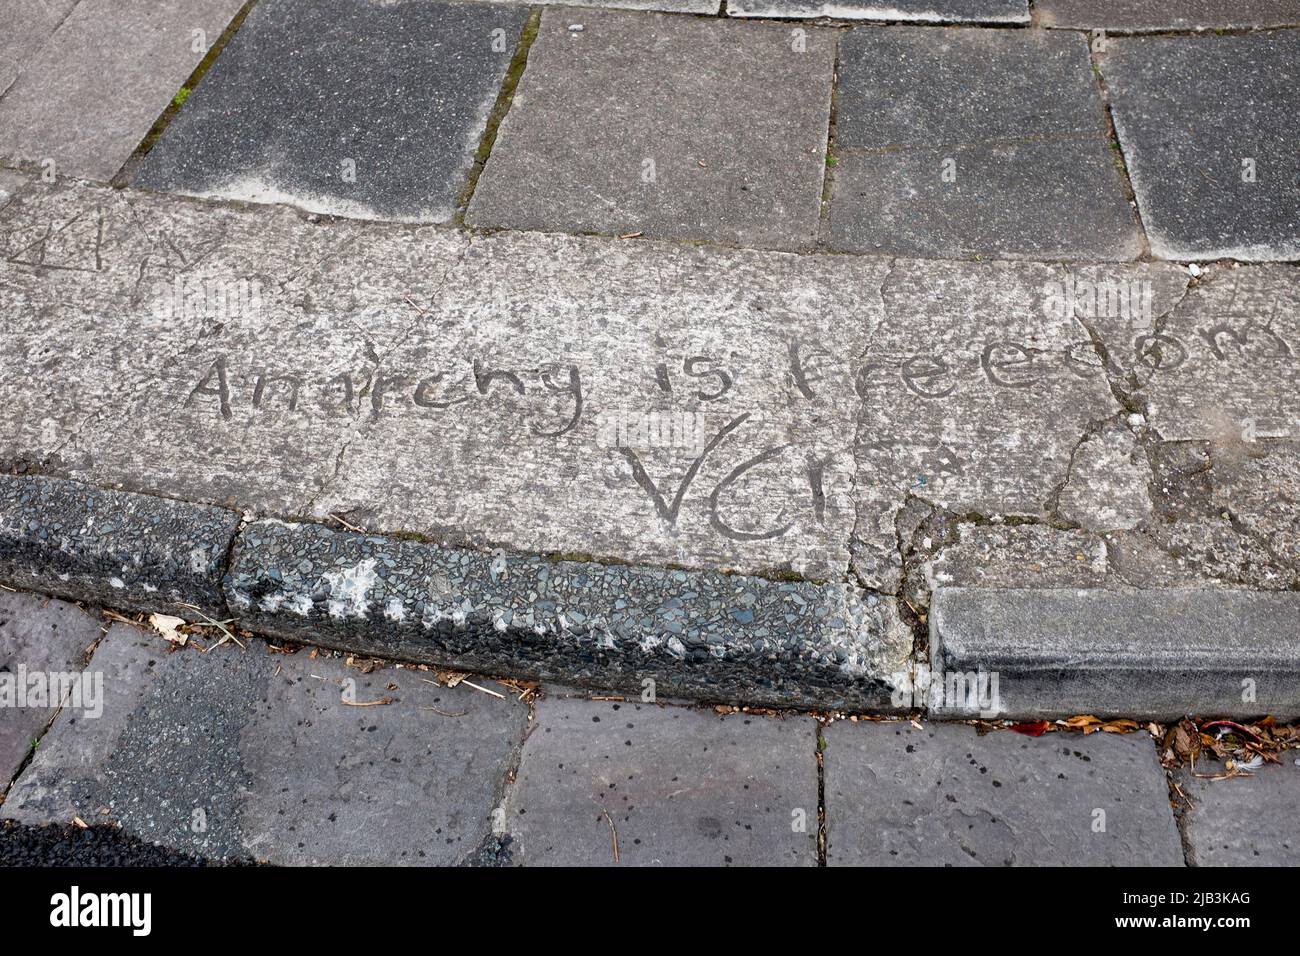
x=1209, y=126
x=960, y=143
x=345, y=107
x=721, y=137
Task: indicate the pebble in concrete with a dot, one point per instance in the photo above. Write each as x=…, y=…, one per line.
x=242, y=753
x=1155, y=653
x=668, y=786
x=943, y=148
x=926, y=11
x=86, y=98
x=276, y=119
x=1138, y=16
x=43, y=647
x=725, y=142
x=1209, y=125
x=947, y=796
x=1245, y=820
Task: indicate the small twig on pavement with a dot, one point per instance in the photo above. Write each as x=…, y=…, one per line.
x=613, y=833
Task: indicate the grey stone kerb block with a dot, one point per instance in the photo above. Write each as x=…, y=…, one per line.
x=695, y=634
x=1157, y=654
x=113, y=548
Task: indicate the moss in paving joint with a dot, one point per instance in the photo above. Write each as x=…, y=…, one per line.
x=126, y=173
x=498, y=114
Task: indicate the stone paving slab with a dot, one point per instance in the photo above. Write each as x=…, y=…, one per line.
x=976, y=404
x=673, y=786
x=118, y=550
x=698, y=634
x=41, y=642
x=1154, y=653
x=588, y=397
x=948, y=796
x=1209, y=126
x=927, y=11
x=88, y=96
x=1139, y=16
x=25, y=26
x=943, y=148
x=276, y=117
x=1245, y=820
x=242, y=753
x=585, y=150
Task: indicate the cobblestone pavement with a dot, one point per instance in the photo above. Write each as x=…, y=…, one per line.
x=261, y=753
x=931, y=359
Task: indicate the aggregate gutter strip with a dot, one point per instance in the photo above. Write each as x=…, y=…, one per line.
x=696, y=634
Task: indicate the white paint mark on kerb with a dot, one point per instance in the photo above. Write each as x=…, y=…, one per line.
x=394, y=610
x=348, y=589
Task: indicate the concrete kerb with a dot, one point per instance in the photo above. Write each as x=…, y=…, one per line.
x=697, y=635
x=677, y=633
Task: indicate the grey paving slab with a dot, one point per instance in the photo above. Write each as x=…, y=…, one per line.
x=726, y=145
x=948, y=796
x=979, y=402
x=671, y=786
x=1244, y=820
x=945, y=147
x=25, y=25
x=698, y=634
x=44, y=644
x=926, y=11
x=587, y=397
x=276, y=119
x=117, y=549
x=242, y=753
x=1209, y=126
x=1138, y=16
x=86, y=98
x=1158, y=653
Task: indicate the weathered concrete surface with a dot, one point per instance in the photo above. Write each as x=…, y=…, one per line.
x=585, y=150
x=1209, y=125
x=982, y=394
x=1139, y=16
x=243, y=753
x=944, y=149
x=25, y=25
x=116, y=549
x=1246, y=820
x=927, y=11
x=40, y=638
x=1153, y=653
x=551, y=394
x=947, y=796
x=709, y=635
x=670, y=786
x=155, y=291
x=276, y=117
x=645, y=403
x=88, y=96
